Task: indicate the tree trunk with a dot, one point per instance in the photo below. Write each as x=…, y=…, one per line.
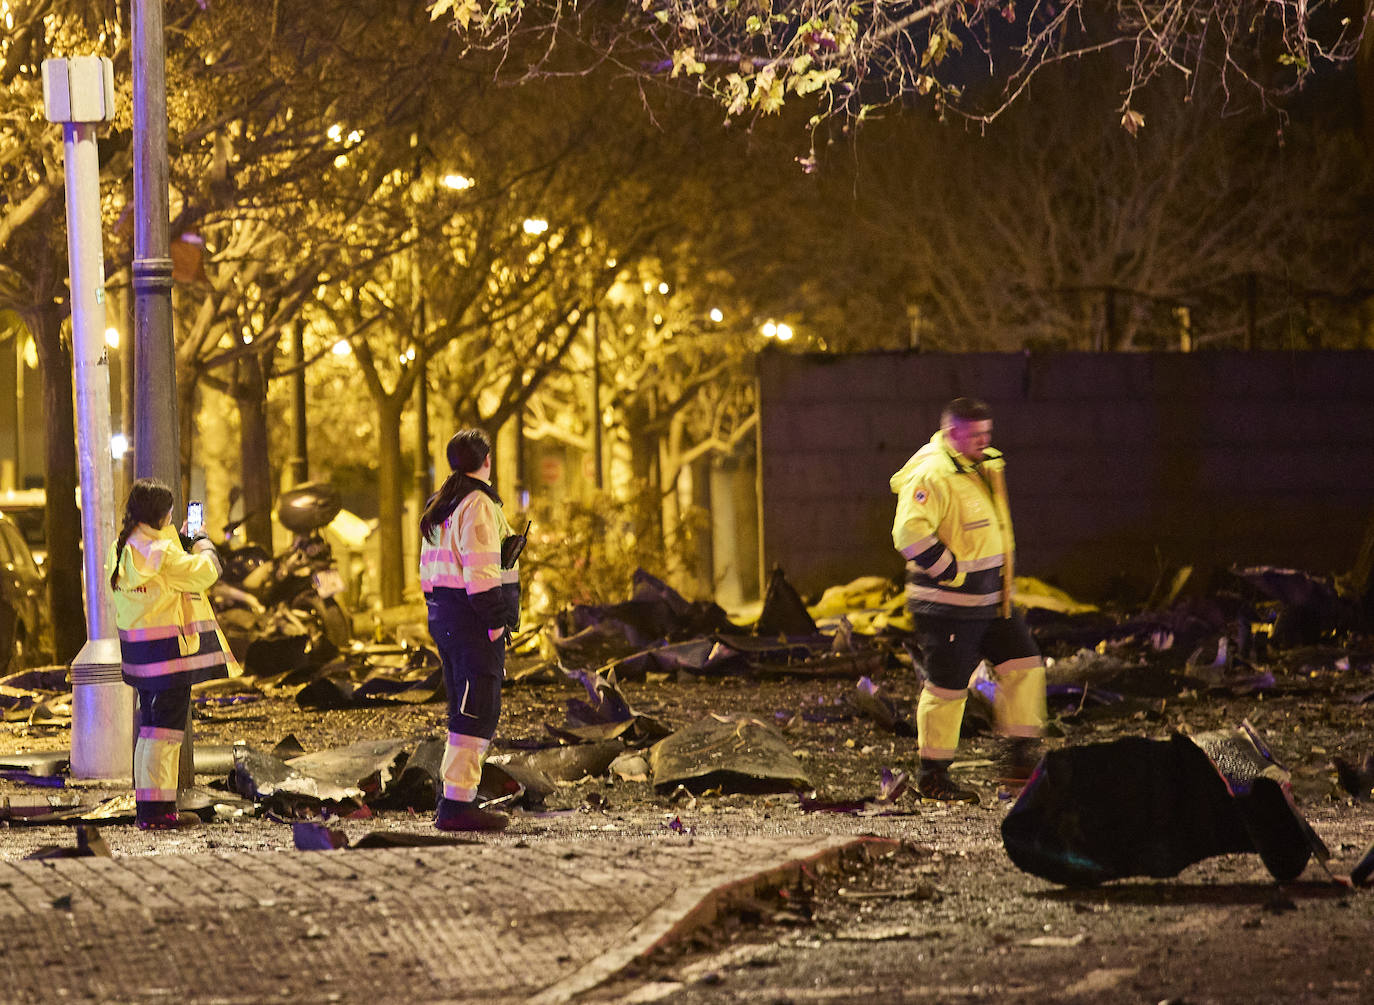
x=644, y=467
x=669, y=508
x=390, y=506
x=255, y=468
x=703, y=571
x=63, y=518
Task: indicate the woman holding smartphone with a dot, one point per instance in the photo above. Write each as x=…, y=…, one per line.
x=168, y=639
x=472, y=601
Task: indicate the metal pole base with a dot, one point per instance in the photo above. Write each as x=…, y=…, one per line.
x=102, y=714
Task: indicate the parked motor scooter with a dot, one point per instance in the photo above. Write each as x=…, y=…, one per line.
x=301, y=581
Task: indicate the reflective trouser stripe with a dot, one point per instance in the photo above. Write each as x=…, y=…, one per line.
x=939, y=714
x=156, y=761
x=462, y=766
x=1020, y=701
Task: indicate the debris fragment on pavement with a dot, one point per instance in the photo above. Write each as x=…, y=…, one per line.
x=1142, y=807
x=736, y=754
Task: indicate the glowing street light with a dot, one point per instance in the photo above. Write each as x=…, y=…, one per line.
x=663, y=289
x=535, y=227
x=112, y=337
x=769, y=329
x=716, y=315
x=341, y=348
x=458, y=182
x=119, y=445
x=784, y=333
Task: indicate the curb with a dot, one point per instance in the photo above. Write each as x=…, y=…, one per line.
x=690, y=909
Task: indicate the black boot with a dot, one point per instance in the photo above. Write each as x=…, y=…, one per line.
x=453, y=815
x=934, y=785
x=162, y=816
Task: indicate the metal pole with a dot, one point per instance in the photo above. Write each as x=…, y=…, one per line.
x=300, y=462
x=424, y=468
x=522, y=488
x=597, y=459
x=128, y=385
x=79, y=92
x=157, y=452
x=19, y=424
x=157, y=446
x=424, y=462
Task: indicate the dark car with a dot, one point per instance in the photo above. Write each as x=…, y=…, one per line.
x=28, y=509
x=23, y=624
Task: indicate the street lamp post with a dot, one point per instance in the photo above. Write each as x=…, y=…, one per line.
x=79, y=93
x=594, y=330
x=424, y=458
x=300, y=459
x=157, y=452
x=157, y=444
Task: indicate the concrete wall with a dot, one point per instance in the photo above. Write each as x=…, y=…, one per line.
x=1117, y=464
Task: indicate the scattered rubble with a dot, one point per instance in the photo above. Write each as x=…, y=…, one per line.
x=1263, y=633
x=730, y=754
x=89, y=844
x=310, y=836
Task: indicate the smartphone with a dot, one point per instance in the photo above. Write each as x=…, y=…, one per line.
x=195, y=517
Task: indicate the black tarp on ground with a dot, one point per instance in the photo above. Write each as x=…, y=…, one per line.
x=1141, y=807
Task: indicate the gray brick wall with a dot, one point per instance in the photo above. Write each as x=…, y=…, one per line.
x=1118, y=464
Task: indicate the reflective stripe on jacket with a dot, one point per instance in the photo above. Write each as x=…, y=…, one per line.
x=953, y=526
x=464, y=553
x=168, y=636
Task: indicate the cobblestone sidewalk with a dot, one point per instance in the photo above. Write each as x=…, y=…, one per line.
x=475, y=922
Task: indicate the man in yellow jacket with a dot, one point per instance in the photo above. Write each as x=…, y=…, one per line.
x=953, y=526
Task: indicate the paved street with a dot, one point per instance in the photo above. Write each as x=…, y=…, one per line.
x=476, y=922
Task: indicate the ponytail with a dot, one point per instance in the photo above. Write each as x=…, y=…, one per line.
x=124, y=532
x=442, y=504
x=149, y=502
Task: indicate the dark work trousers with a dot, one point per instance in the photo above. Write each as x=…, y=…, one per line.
x=951, y=648
x=164, y=709
x=474, y=665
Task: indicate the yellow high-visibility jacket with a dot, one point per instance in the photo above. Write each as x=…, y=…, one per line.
x=168, y=636
x=953, y=526
x=463, y=554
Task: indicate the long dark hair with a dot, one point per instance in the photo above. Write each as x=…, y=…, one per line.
x=149, y=501
x=467, y=450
